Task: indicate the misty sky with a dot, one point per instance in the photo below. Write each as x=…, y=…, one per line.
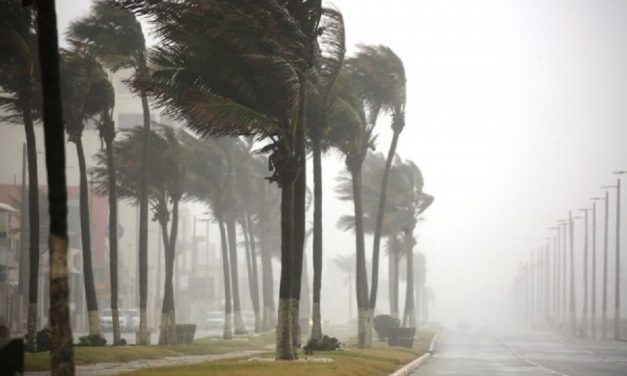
x=516, y=113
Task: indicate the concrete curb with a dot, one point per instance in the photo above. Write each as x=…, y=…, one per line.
x=416, y=363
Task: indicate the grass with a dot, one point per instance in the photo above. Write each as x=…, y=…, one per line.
x=115, y=354
x=378, y=360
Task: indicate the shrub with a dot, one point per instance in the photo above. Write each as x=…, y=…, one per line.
x=383, y=323
x=43, y=340
x=92, y=340
x=325, y=344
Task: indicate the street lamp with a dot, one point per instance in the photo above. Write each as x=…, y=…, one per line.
x=605, y=261
x=586, y=324
x=572, y=305
x=564, y=232
x=594, y=266
x=556, y=275
x=617, y=271
x=547, y=281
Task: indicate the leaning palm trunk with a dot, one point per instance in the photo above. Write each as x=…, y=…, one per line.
x=228, y=310
x=168, y=317
x=113, y=232
x=379, y=227
x=316, y=317
x=88, y=273
x=62, y=353
x=361, y=280
x=143, y=336
x=237, y=310
x=33, y=218
x=394, y=276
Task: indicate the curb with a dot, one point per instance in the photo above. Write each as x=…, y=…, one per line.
x=416, y=363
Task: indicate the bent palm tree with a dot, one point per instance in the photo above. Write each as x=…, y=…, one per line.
x=86, y=93
x=115, y=37
x=381, y=77
x=62, y=353
x=18, y=65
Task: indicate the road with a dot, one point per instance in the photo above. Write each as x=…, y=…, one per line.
x=536, y=354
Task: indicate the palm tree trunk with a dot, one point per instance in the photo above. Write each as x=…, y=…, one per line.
x=237, y=314
x=143, y=215
x=228, y=310
x=88, y=273
x=172, y=336
x=316, y=316
x=255, y=276
x=361, y=279
x=62, y=352
x=113, y=240
x=168, y=287
x=268, y=283
x=409, y=316
x=305, y=301
x=33, y=218
x=379, y=226
x=284, y=348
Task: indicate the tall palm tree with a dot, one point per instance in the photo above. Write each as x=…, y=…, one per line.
x=354, y=137
x=207, y=171
x=86, y=93
x=329, y=62
x=168, y=184
x=115, y=36
x=255, y=87
x=381, y=77
x=62, y=353
x=18, y=77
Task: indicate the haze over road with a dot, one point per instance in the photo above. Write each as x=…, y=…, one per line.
x=537, y=354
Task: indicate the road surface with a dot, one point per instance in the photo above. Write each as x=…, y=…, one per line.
x=536, y=354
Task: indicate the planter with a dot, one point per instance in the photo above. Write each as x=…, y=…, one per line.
x=402, y=337
x=185, y=333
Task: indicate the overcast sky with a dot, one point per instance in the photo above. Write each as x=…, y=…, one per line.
x=516, y=113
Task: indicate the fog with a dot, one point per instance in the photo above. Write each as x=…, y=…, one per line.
x=515, y=115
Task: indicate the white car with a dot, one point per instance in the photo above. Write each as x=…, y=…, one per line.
x=106, y=320
x=132, y=320
x=214, y=320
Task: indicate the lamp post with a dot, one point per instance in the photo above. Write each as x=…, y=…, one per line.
x=556, y=244
x=572, y=305
x=564, y=285
x=547, y=282
x=605, y=266
x=594, y=267
x=617, y=270
x=586, y=323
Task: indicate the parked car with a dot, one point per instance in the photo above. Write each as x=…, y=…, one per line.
x=132, y=319
x=214, y=320
x=106, y=320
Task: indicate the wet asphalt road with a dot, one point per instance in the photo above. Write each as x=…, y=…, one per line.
x=525, y=354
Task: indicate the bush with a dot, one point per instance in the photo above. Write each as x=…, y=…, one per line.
x=43, y=340
x=92, y=340
x=325, y=344
x=383, y=323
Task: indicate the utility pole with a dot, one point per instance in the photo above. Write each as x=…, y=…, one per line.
x=555, y=315
x=547, y=282
x=605, y=266
x=564, y=286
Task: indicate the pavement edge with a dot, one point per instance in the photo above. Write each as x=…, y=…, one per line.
x=417, y=363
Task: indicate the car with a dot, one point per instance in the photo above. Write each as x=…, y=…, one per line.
x=106, y=320
x=214, y=320
x=132, y=319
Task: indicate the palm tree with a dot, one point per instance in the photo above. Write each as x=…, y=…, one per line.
x=62, y=353
x=381, y=77
x=329, y=62
x=115, y=37
x=86, y=93
x=255, y=87
x=354, y=137
x=207, y=171
x=168, y=184
x=18, y=71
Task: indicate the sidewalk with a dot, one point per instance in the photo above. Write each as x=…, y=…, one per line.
x=107, y=369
